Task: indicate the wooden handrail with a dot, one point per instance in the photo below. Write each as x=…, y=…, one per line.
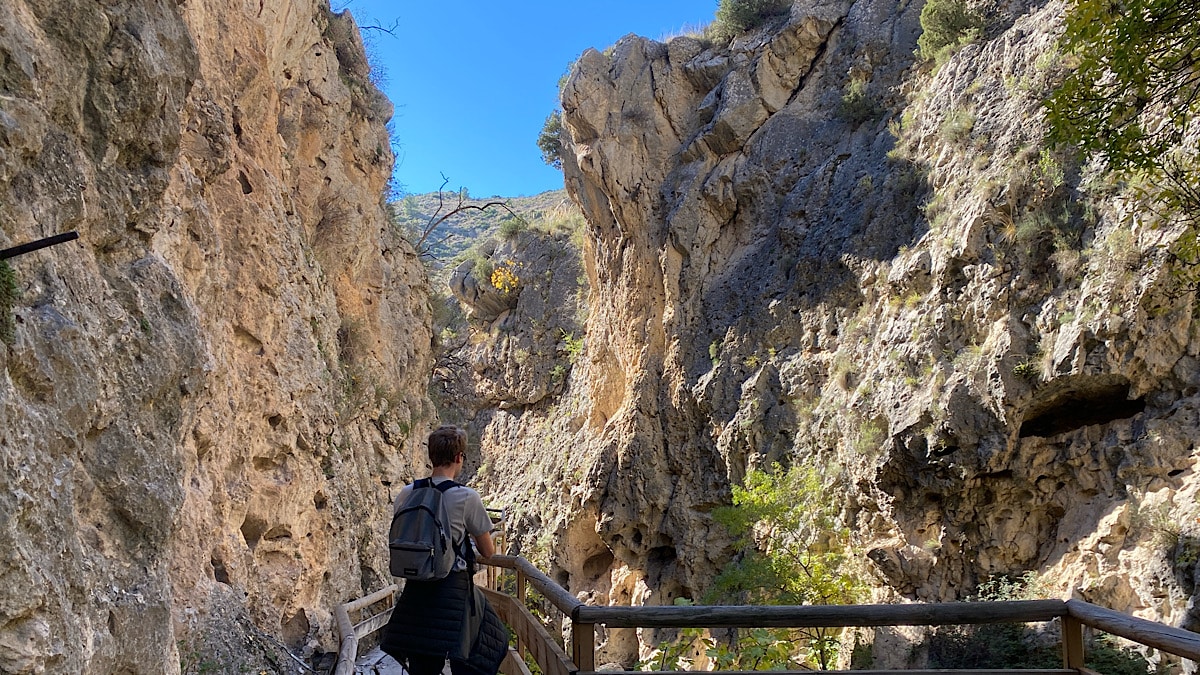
x=824, y=616
x=349, y=632
x=557, y=595
x=1074, y=614
x=1176, y=641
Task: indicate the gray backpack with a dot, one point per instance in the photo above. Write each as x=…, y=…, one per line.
x=419, y=539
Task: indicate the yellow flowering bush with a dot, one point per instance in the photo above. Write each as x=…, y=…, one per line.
x=504, y=277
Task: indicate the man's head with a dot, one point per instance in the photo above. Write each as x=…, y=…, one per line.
x=446, y=444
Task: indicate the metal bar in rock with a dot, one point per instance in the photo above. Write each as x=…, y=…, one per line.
x=32, y=246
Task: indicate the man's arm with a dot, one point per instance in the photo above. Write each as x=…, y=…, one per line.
x=483, y=542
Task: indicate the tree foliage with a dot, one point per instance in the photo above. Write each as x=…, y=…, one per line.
x=10, y=292
x=549, y=141
x=1132, y=98
x=792, y=551
x=1132, y=57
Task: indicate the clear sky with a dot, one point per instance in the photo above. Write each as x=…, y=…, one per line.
x=473, y=81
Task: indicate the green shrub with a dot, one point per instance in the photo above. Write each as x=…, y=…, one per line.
x=735, y=17
x=957, y=125
x=481, y=264
x=1018, y=646
x=803, y=561
x=856, y=106
x=9, y=294
x=945, y=25
x=510, y=228
x=549, y=141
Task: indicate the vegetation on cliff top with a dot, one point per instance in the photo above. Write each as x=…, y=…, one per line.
x=1132, y=99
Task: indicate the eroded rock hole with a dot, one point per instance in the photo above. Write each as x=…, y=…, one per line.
x=597, y=565
x=295, y=629
x=1082, y=406
x=220, y=573
x=247, y=188
x=252, y=530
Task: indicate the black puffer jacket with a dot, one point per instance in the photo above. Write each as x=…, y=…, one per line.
x=449, y=618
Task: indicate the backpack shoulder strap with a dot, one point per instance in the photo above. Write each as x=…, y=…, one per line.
x=420, y=483
x=446, y=485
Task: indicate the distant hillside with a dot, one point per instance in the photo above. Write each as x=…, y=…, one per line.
x=456, y=234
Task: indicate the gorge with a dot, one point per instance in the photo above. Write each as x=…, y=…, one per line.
x=806, y=247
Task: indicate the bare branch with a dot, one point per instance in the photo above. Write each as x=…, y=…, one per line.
x=461, y=207
x=390, y=30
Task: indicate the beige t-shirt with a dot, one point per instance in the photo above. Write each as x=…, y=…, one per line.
x=465, y=509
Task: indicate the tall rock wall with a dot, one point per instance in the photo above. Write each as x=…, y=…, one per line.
x=209, y=394
x=807, y=248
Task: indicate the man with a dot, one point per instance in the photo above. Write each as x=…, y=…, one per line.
x=449, y=618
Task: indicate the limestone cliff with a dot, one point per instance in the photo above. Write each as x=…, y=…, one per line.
x=806, y=247
x=209, y=394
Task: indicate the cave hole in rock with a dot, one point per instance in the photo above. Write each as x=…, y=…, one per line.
x=252, y=530
x=275, y=420
x=247, y=188
x=944, y=450
x=1081, y=403
x=659, y=562
x=598, y=565
x=295, y=629
x=220, y=573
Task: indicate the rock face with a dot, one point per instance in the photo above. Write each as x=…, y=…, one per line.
x=805, y=247
x=209, y=394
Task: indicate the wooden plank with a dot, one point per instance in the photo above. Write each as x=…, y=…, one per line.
x=1014, y=671
x=826, y=616
x=1072, y=642
x=1175, y=641
x=513, y=664
x=532, y=634
x=373, y=623
x=348, y=649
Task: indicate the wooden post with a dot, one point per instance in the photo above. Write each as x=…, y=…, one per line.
x=1072, y=642
x=583, y=645
x=521, y=646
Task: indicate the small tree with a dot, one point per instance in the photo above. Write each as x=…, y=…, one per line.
x=549, y=141
x=1132, y=97
x=462, y=195
x=792, y=551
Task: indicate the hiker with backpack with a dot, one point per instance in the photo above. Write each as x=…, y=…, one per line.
x=440, y=614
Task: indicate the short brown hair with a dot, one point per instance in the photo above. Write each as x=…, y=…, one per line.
x=446, y=444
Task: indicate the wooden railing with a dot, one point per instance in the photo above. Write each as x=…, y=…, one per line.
x=352, y=631
x=534, y=640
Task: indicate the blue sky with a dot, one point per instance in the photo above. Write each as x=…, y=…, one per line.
x=473, y=81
